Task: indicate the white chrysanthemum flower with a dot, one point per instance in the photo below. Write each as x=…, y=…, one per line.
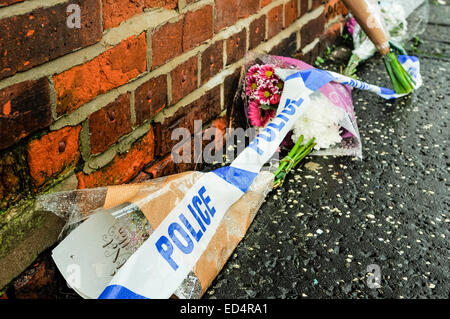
x=320, y=120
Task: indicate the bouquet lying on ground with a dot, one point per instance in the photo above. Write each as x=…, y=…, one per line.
x=327, y=127
x=383, y=25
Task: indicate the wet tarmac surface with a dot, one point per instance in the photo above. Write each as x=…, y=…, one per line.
x=335, y=216
x=316, y=237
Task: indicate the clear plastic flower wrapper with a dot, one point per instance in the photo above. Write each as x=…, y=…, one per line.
x=105, y=226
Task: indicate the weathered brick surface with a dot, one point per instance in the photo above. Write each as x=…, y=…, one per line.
x=317, y=3
x=247, y=8
x=38, y=281
x=10, y=180
x=108, y=124
x=184, y=79
x=117, y=11
x=257, y=32
x=226, y=13
x=24, y=109
x=212, y=61
x=334, y=8
x=265, y=3
x=162, y=167
x=303, y=7
x=42, y=35
x=312, y=30
x=150, y=98
x=287, y=47
x=8, y=2
x=53, y=153
x=198, y=27
x=109, y=70
x=236, y=46
x=275, y=20
x=166, y=4
x=291, y=12
x=231, y=86
x=167, y=43
x=123, y=167
x=206, y=108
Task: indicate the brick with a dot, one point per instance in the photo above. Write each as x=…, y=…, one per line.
x=247, y=8
x=317, y=3
x=303, y=7
x=10, y=180
x=166, y=4
x=53, y=153
x=198, y=27
x=38, y=281
x=257, y=32
x=161, y=168
x=236, y=46
x=109, y=70
x=291, y=12
x=108, y=124
x=24, y=108
x=123, y=167
x=205, y=108
x=167, y=43
x=287, y=47
x=275, y=21
x=150, y=98
x=42, y=35
x=312, y=30
x=334, y=8
x=117, y=11
x=184, y=79
x=212, y=61
x=265, y=3
x=4, y=3
x=226, y=14
x=231, y=87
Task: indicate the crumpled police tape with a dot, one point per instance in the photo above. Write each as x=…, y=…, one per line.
x=161, y=264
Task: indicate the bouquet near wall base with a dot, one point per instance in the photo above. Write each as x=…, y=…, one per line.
x=326, y=127
x=171, y=236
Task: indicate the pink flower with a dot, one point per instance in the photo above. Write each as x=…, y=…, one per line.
x=253, y=70
x=275, y=99
x=267, y=72
x=351, y=24
x=266, y=93
x=259, y=117
x=251, y=85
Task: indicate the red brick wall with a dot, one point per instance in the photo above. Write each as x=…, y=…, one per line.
x=100, y=102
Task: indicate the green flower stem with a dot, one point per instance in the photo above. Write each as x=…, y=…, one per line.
x=401, y=80
x=295, y=156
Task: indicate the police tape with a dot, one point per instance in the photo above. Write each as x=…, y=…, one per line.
x=166, y=258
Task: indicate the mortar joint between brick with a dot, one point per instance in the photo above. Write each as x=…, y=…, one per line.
x=132, y=109
x=53, y=99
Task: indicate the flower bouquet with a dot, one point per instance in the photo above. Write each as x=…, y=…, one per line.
x=172, y=236
x=382, y=26
x=327, y=126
